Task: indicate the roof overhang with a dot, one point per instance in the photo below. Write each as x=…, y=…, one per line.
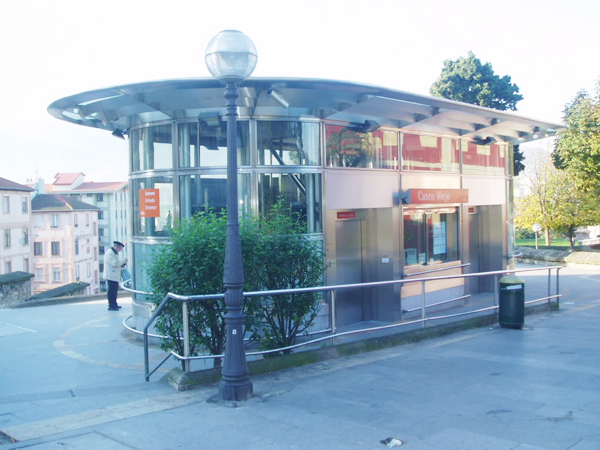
x=123, y=107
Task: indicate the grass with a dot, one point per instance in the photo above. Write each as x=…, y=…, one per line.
x=542, y=243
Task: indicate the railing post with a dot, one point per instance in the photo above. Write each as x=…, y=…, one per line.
x=558, y=287
x=186, y=337
x=549, y=286
x=146, y=358
x=496, y=293
x=332, y=313
x=423, y=315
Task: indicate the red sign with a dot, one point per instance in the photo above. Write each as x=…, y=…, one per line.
x=346, y=215
x=149, y=203
x=435, y=196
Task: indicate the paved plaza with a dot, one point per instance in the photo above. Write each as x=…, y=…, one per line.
x=72, y=378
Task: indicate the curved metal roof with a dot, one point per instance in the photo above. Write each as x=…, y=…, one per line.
x=123, y=107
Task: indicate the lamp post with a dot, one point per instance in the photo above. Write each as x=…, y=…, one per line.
x=231, y=58
x=536, y=229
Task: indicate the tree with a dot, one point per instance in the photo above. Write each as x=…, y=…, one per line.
x=468, y=80
x=276, y=255
x=579, y=147
x=558, y=199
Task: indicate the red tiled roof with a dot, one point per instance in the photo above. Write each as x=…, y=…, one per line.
x=66, y=178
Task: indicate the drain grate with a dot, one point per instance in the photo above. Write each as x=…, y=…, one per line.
x=393, y=442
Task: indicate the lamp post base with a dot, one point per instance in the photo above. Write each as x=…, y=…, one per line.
x=235, y=392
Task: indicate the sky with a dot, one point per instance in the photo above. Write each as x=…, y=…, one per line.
x=56, y=48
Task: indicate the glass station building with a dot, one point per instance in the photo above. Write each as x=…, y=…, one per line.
x=394, y=184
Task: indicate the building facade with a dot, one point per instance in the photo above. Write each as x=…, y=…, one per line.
x=393, y=184
x=112, y=200
x=15, y=220
x=65, y=243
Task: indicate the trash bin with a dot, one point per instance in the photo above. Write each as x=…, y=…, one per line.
x=511, y=307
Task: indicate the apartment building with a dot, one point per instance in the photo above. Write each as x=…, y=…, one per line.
x=111, y=198
x=65, y=242
x=15, y=220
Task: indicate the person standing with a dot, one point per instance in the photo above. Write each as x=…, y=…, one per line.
x=113, y=264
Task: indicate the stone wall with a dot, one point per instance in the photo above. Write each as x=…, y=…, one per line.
x=555, y=257
x=15, y=288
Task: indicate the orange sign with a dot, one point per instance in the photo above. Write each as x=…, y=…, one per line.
x=434, y=196
x=149, y=203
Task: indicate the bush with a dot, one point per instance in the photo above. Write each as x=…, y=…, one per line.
x=288, y=259
x=276, y=255
x=524, y=233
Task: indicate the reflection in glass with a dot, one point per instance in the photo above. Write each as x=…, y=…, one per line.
x=151, y=148
x=204, y=143
x=300, y=192
x=433, y=153
x=143, y=256
x=208, y=193
x=483, y=158
x=350, y=148
x=288, y=143
x=153, y=226
x=414, y=243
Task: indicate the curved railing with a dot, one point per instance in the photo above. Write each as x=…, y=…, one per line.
x=330, y=291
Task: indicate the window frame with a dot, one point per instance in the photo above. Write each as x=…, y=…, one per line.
x=6, y=239
x=428, y=236
x=6, y=204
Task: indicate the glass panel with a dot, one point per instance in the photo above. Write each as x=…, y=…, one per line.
x=213, y=144
x=142, y=255
x=414, y=243
x=189, y=151
x=288, y=143
x=154, y=226
x=349, y=148
x=209, y=193
x=442, y=237
x=429, y=153
x=301, y=192
x=151, y=148
x=430, y=238
x=483, y=158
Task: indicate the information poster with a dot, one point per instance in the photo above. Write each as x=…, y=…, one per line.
x=439, y=238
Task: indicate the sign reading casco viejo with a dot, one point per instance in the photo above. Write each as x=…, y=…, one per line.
x=149, y=203
x=429, y=196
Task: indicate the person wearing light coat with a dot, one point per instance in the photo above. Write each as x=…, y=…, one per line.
x=113, y=265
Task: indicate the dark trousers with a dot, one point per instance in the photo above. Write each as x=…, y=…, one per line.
x=113, y=287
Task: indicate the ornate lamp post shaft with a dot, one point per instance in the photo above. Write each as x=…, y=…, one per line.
x=235, y=384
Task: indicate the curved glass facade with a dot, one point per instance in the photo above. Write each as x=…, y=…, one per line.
x=179, y=169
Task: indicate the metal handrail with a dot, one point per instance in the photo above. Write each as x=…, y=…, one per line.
x=460, y=266
x=331, y=290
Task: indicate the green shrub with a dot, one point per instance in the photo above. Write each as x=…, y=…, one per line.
x=276, y=255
